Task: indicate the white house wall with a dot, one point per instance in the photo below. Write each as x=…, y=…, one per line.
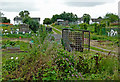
x=18, y=22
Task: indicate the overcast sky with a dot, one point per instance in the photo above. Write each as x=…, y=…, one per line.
x=47, y=8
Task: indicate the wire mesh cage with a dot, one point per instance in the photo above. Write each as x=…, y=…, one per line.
x=78, y=40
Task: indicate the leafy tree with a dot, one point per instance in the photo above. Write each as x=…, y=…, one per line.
x=69, y=16
x=86, y=18
x=65, y=16
x=95, y=27
x=84, y=26
x=106, y=22
x=112, y=17
x=55, y=17
x=26, y=20
x=47, y=21
x=102, y=28
x=24, y=14
x=100, y=17
x=1, y=14
x=5, y=20
x=102, y=24
x=33, y=25
x=98, y=29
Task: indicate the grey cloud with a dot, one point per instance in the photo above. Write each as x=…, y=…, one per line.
x=84, y=4
x=89, y=1
x=17, y=6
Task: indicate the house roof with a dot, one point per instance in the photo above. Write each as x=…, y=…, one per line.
x=95, y=20
x=36, y=18
x=80, y=19
x=2, y=17
x=5, y=24
x=60, y=20
x=17, y=18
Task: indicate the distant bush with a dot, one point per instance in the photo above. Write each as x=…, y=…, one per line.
x=83, y=26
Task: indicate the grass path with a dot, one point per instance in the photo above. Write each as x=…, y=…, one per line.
x=56, y=30
x=103, y=49
x=103, y=52
x=93, y=47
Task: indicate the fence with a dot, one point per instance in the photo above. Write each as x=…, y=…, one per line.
x=78, y=40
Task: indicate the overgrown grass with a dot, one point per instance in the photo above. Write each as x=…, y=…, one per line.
x=103, y=37
x=47, y=60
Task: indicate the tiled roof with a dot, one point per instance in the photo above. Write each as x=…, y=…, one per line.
x=36, y=18
x=6, y=23
x=95, y=20
x=17, y=18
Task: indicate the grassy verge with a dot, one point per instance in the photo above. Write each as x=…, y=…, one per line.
x=58, y=32
x=102, y=37
x=94, y=48
x=58, y=27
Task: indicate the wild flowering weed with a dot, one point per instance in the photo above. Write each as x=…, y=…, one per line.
x=12, y=57
x=16, y=58
x=66, y=64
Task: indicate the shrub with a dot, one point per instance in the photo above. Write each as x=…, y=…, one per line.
x=65, y=64
x=83, y=26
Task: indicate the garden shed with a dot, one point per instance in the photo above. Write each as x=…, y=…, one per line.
x=24, y=28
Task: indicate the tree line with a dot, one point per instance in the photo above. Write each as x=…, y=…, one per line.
x=108, y=18
x=66, y=16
